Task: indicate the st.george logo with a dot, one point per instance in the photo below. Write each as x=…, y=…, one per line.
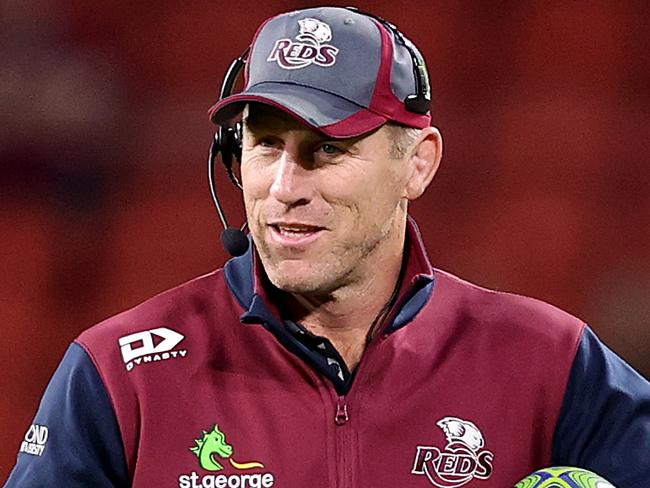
x=213, y=445
x=309, y=47
x=150, y=346
x=461, y=460
x=212, y=449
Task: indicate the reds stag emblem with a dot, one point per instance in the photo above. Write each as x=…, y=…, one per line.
x=310, y=47
x=460, y=461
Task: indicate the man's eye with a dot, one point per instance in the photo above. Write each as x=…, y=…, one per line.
x=267, y=142
x=330, y=149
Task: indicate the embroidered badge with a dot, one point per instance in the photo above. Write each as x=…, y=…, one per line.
x=35, y=440
x=213, y=452
x=151, y=346
x=310, y=47
x=460, y=461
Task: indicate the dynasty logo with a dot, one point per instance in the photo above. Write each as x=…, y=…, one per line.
x=212, y=450
x=309, y=48
x=150, y=346
x=460, y=461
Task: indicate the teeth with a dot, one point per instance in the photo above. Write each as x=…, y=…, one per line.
x=295, y=231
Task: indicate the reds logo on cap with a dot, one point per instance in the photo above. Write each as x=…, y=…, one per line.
x=310, y=47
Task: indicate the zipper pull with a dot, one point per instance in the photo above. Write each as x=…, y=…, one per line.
x=341, y=416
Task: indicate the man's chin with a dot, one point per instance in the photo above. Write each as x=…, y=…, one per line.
x=300, y=279
x=299, y=285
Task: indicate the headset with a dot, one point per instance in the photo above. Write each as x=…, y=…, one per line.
x=227, y=140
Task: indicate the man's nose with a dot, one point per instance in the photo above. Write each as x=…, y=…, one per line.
x=291, y=181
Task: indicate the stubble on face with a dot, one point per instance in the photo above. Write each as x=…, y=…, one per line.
x=354, y=197
x=342, y=264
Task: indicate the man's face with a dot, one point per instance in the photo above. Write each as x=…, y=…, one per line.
x=318, y=209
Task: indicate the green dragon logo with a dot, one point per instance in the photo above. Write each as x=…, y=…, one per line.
x=214, y=442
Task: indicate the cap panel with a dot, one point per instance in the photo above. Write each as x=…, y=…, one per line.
x=384, y=100
x=332, y=49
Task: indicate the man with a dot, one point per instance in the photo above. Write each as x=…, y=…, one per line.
x=332, y=353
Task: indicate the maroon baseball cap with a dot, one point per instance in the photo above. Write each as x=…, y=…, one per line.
x=336, y=70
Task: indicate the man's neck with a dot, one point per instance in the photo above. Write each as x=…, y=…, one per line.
x=348, y=316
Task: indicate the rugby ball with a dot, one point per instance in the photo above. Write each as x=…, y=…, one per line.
x=563, y=477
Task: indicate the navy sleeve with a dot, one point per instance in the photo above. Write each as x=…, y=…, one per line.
x=604, y=425
x=74, y=440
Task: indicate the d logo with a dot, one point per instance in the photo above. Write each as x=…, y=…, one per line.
x=169, y=337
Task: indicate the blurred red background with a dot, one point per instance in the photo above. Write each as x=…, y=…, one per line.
x=544, y=189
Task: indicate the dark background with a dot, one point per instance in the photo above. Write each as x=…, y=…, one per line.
x=544, y=187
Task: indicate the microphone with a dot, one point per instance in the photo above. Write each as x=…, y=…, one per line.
x=233, y=239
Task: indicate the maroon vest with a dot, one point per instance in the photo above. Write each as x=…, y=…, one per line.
x=467, y=393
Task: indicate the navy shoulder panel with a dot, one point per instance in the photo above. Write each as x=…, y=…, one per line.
x=604, y=424
x=74, y=440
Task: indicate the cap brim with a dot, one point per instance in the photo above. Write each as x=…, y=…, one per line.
x=327, y=113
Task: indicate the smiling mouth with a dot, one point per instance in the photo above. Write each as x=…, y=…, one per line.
x=295, y=233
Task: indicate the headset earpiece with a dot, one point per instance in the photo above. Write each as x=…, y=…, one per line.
x=417, y=103
x=236, y=140
x=223, y=147
x=227, y=143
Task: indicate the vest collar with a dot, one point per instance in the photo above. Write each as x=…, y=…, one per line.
x=247, y=281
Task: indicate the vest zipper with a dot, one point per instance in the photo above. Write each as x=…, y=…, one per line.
x=345, y=449
x=346, y=441
x=341, y=416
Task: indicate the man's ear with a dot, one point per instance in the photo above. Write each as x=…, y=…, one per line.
x=424, y=161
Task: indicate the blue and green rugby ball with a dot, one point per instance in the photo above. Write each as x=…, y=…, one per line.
x=563, y=477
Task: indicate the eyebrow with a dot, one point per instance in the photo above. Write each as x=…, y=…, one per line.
x=258, y=122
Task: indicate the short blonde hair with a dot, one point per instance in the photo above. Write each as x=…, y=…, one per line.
x=402, y=138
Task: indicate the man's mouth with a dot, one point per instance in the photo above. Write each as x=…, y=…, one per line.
x=295, y=233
